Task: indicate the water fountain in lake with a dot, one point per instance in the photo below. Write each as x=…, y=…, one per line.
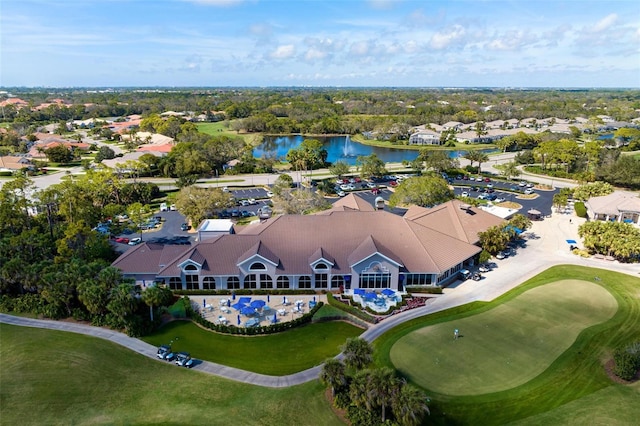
x=347, y=150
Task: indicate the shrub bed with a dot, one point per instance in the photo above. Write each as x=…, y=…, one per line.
x=425, y=290
x=352, y=310
x=242, y=292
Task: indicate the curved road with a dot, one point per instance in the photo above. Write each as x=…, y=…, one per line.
x=546, y=246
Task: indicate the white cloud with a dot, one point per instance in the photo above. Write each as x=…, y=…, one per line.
x=512, y=40
x=444, y=39
x=283, y=52
x=359, y=48
x=605, y=23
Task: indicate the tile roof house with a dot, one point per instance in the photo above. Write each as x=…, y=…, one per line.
x=618, y=207
x=11, y=163
x=351, y=245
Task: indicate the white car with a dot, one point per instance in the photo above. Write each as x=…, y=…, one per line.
x=341, y=193
x=489, y=185
x=522, y=184
x=135, y=241
x=351, y=187
x=528, y=191
x=172, y=207
x=252, y=201
x=269, y=194
x=499, y=200
x=344, y=187
x=479, y=179
x=465, y=194
x=371, y=185
x=500, y=256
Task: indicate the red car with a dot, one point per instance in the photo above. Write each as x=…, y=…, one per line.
x=122, y=240
x=393, y=183
x=375, y=191
x=487, y=179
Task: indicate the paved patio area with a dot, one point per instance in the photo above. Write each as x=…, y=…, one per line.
x=221, y=310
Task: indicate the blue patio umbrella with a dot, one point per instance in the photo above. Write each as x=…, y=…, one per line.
x=257, y=304
x=204, y=303
x=388, y=292
x=239, y=322
x=314, y=298
x=237, y=306
x=275, y=318
x=248, y=310
x=233, y=295
x=572, y=242
x=245, y=300
x=284, y=300
x=359, y=291
x=268, y=299
x=370, y=295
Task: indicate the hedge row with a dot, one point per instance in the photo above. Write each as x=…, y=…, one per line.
x=352, y=310
x=422, y=289
x=269, y=329
x=581, y=210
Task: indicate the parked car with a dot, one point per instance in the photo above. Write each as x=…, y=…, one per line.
x=465, y=274
x=484, y=268
x=500, y=256
x=465, y=194
x=522, y=184
x=371, y=185
x=269, y=194
x=135, y=241
x=252, y=201
x=479, y=179
x=121, y=240
x=528, y=191
x=163, y=207
x=499, y=200
x=341, y=193
x=184, y=227
x=375, y=191
x=183, y=359
x=172, y=207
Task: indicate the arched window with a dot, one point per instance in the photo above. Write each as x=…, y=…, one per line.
x=266, y=281
x=175, y=283
x=282, y=282
x=191, y=268
x=337, y=281
x=304, y=282
x=250, y=281
x=208, y=283
x=233, y=283
x=321, y=266
x=257, y=266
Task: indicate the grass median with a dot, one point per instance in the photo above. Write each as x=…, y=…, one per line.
x=274, y=354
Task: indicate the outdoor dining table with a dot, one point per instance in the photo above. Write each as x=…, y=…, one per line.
x=282, y=311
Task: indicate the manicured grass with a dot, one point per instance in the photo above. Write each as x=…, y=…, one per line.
x=506, y=346
x=274, y=354
x=574, y=377
x=56, y=378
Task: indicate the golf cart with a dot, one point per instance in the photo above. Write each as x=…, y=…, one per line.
x=164, y=352
x=184, y=360
x=465, y=274
x=476, y=276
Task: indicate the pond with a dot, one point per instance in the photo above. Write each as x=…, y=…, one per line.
x=339, y=148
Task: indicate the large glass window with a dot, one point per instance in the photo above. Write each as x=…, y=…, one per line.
x=266, y=281
x=192, y=282
x=175, y=283
x=321, y=280
x=208, y=283
x=337, y=281
x=304, y=282
x=282, y=282
x=418, y=279
x=374, y=280
x=233, y=283
x=250, y=281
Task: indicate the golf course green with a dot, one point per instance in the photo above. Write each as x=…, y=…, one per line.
x=506, y=346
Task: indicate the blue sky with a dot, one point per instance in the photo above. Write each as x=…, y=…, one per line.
x=427, y=43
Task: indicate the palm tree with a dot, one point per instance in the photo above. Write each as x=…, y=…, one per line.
x=333, y=374
x=357, y=353
x=410, y=405
x=153, y=296
x=481, y=158
x=384, y=387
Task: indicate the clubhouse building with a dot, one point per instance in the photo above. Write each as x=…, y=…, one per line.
x=352, y=245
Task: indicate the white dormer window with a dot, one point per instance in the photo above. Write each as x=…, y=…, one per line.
x=190, y=268
x=321, y=266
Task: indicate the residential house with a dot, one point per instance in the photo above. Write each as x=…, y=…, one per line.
x=616, y=207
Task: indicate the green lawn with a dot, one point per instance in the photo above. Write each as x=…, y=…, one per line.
x=506, y=346
x=274, y=354
x=57, y=378
x=568, y=386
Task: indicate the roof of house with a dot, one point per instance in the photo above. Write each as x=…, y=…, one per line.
x=10, y=162
x=615, y=203
x=147, y=258
x=455, y=219
x=350, y=202
x=347, y=237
